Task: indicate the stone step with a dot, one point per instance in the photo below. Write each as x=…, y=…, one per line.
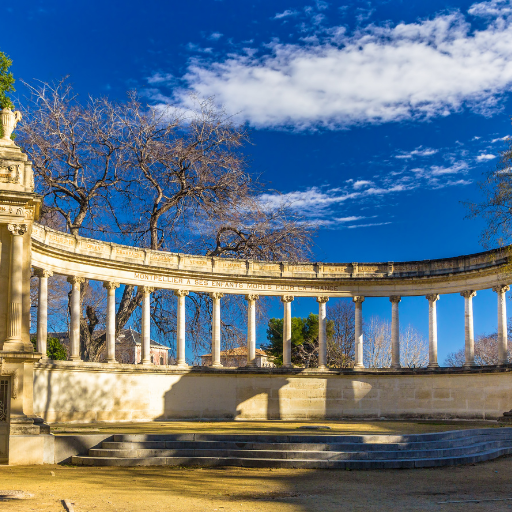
x=299, y=454
x=314, y=439
x=353, y=446
x=294, y=463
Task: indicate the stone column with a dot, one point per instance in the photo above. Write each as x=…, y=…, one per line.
x=358, y=351
x=111, y=320
x=322, y=335
x=395, y=332
x=468, y=327
x=42, y=310
x=74, y=338
x=251, y=329
x=501, y=290
x=216, y=296
x=287, y=331
x=145, y=345
x=13, y=340
x=432, y=330
x=180, y=334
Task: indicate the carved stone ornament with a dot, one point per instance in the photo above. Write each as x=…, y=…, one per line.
x=432, y=297
x=147, y=289
x=110, y=285
x=251, y=297
x=10, y=174
x=501, y=288
x=43, y=272
x=9, y=120
x=181, y=293
x=216, y=295
x=395, y=299
x=17, y=229
x=14, y=374
x=287, y=298
x=322, y=300
x=468, y=294
x=76, y=280
x=358, y=299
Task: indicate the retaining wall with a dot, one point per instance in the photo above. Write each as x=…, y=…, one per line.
x=71, y=392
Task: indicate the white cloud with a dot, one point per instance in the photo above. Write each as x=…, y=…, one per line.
x=379, y=74
x=215, y=36
x=417, y=152
x=361, y=183
x=285, y=14
x=485, y=157
x=500, y=139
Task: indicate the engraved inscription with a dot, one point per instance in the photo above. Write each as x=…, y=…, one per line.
x=215, y=283
x=88, y=246
x=231, y=264
x=130, y=253
x=164, y=258
x=8, y=209
x=335, y=270
x=301, y=268
x=267, y=267
x=62, y=240
x=196, y=263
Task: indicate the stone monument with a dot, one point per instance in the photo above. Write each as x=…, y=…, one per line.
x=22, y=435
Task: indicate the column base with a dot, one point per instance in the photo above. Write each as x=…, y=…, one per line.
x=469, y=365
x=111, y=361
x=183, y=366
x=217, y=365
x=17, y=346
x=432, y=366
x=396, y=367
x=146, y=363
x=359, y=366
x=76, y=359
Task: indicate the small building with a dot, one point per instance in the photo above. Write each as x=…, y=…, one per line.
x=237, y=357
x=128, y=348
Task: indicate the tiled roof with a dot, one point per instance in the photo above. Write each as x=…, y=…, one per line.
x=237, y=351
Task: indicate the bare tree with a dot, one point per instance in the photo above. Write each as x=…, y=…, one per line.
x=340, y=346
x=413, y=348
x=496, y=207
x=181, y=175
x=377, y=345
x=486, y=352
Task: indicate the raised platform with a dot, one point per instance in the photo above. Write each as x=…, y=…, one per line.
x=302, y=451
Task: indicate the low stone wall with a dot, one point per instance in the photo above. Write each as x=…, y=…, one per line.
x=71, y=392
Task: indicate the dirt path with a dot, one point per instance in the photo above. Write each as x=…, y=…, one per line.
x=257, y=490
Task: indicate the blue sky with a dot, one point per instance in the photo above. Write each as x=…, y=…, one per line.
x=375, y=118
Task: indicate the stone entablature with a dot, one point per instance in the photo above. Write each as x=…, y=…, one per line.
x=68, y=254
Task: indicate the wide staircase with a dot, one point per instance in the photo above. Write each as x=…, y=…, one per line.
x=302, y=451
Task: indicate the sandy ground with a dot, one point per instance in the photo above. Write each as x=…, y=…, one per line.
x=256, y=490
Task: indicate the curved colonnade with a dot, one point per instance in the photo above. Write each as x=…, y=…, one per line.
x=82, y=258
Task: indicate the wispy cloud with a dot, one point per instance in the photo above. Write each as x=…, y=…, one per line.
x=417, y=152
x=215, y=36
x=500, y=139
x=377, y=74
x=285, y=14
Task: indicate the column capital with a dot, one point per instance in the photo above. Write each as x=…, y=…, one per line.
x=395, y=299
x=181, y=293
x=468, y=294
x=251, y=297
x=17, y=229
x=322, y=300
x=287, y=298
x=501, y=288
x=432, y=297
x=42, y=272
x=76, y=279
x=358, y=299
x=111, y=285
x=216, y=295
x=147, y=289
